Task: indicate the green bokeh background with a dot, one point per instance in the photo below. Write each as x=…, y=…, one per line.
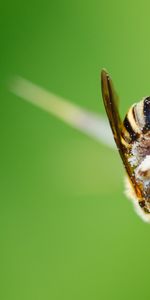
x=66, y=229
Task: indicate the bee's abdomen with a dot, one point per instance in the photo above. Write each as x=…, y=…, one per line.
x=130, y=130
x=146, y=113
x=142, y=114
x=137, y=121
x=132, y=134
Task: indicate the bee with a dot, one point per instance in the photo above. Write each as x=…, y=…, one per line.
x=132, y=137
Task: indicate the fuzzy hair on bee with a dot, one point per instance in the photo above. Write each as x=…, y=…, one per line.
x=132, y=137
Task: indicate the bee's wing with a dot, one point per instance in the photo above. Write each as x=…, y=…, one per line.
x=110, y=99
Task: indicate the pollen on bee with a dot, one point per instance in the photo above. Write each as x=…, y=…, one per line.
x=134, y=158
x=139, y=160
x=143, y=170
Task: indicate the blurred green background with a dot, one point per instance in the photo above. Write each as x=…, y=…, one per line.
x=66, y=229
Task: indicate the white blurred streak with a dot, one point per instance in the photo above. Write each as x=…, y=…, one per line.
x=89, y=123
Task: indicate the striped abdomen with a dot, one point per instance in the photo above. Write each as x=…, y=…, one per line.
x=137, y=121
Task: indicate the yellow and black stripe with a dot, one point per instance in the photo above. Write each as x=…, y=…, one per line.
x=137, y=121
x=130, y=130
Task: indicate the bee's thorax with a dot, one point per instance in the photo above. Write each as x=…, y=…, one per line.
x=140, y=162
x=142, y=172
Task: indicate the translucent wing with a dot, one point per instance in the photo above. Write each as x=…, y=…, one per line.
x=110, y=99
x=111, y=103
